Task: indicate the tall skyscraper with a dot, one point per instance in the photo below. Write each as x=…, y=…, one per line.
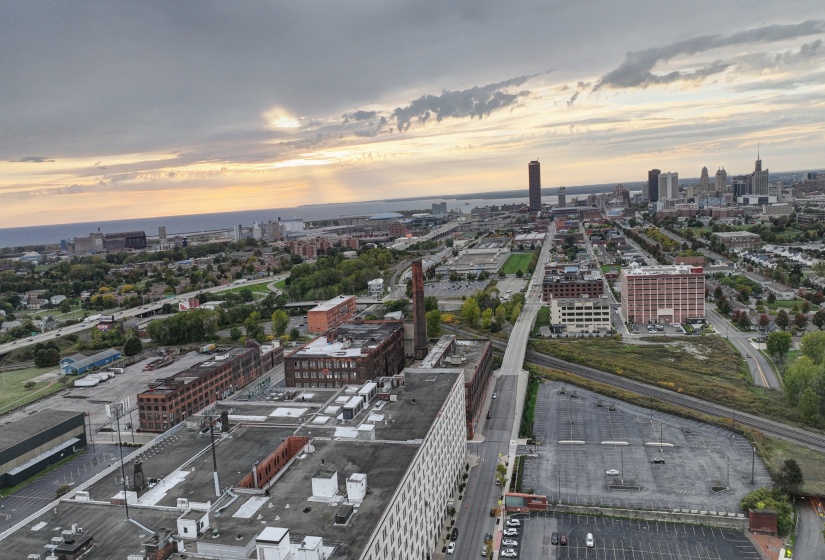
x=534, y=172
x=653, y=185
x=721, y=180
x=562, y=197
x=704, y=181
x=668, y=186
x=759, y=183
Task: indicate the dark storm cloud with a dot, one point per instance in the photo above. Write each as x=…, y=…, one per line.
x=637, y=68
x=32, y=159
x=478, y=101
x=361, y=115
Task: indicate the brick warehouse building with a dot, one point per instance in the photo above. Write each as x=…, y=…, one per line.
x=571, y=286
x=670, y=294
x=172, y=400
x=351, y=354
x=331, y=314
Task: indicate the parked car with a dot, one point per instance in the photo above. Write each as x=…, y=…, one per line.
x=589, y=541
x=494, y=395
x=563, y=540
x=508, y=553
x=484, y=550
x=513, y=522
x=554, y=538
x=489, y=414
x=509, y=542
x=510, y=532
x=451, y=548
x=612, y=472
x=454, y=535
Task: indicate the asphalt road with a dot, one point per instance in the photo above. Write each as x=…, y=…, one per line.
x=499, y=432
x=761, y=370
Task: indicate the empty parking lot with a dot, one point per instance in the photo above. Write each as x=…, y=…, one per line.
x=662, y=461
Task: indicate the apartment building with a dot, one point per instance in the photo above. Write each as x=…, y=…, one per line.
x=662, y=294
x=331, y=314
x=581, y=314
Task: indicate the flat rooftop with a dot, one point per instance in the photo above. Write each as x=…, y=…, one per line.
x=329, y=304
x=167, y=378
x=25, y=428
x=351, y=339
x=660, y=270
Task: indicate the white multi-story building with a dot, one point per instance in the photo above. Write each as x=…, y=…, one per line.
x=581, y=314
x=375, y=287
x=668, y=186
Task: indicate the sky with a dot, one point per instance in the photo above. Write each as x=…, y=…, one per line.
x=117, y=110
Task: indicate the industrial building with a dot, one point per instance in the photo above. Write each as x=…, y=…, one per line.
x=78, y=364
x=350, y=353
x=668, y=294
x=288, y=479
x=171, y=400
x=571, y=286
x=32, y=444
x=738, y=240
x=331, y=314
x=584, y=314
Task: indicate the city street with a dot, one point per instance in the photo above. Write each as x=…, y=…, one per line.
x=498, y=436
x=761, y=369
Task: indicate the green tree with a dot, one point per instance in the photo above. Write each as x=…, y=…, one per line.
x=519, y=273
x=775, y=499
x=235, y=334
x=782, y=319
x=430, y=303
x=46, y=357
x=515, y=312
x=809, y=406
x=501, y=314
x=433, y=323
x=800, y=321
x=486, y=318
x=813, y=346
x=771, y=298
x=470, y=312
x=65, y=306
x=280, y=321
x=779, y=343
x=790, y=477
x=819, y=319
x=253, y=326
x=132, y=346
x=294, y=333
x=798, y=377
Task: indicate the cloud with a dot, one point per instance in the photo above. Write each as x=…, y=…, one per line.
x=32, y=159
x=637, y=68
x=361, y=115
x=572, y=99
x=478, y=101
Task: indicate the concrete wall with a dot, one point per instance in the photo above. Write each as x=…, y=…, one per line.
x=725, y=521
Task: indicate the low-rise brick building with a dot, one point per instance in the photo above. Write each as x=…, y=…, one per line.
x=171, y=400
x=352, y=353
x=331, y=314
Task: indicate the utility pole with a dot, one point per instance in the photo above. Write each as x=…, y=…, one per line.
x=119, y=409
x=753, y=460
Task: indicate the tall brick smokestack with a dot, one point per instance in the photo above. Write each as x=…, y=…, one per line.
x=419, y=314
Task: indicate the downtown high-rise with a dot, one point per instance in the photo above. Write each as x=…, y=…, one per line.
x=534, y=172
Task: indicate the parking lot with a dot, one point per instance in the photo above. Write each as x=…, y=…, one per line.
x=622, y=539
x=664, y=462
x=447, y=289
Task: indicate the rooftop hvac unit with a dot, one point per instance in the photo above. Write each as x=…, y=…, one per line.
x=33, y=557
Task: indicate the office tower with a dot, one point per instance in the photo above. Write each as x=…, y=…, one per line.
x=534, y=171
x=742, y=185
x=668, y=186
x=704, y=181
x=237, y=232
x=439, y=208
x=162, y=237
x=721, y=180
x=759, y=183
x=562, y=198
x=671, y=294
x=653, y=185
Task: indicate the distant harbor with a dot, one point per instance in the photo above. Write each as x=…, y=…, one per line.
x=198, y=223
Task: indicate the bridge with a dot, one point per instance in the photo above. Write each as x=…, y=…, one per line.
x=358, y=301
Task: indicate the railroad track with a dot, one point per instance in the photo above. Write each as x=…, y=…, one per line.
x=769, y=427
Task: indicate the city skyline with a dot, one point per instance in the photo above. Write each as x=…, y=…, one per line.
x=125, y=111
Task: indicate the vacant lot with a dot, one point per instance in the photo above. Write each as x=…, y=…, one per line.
x=516, y=262
x=14, y=392
x=704, y=367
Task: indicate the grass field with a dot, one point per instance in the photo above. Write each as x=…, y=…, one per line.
x=516, y=262
x=14, y=393
x=783, y=304
x=254, y=287
x=281, y=284
x=542, y=320
x=704, y=367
